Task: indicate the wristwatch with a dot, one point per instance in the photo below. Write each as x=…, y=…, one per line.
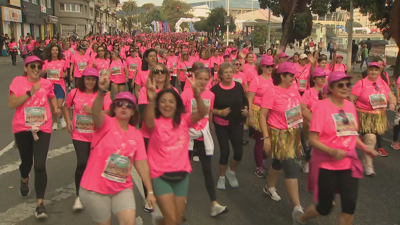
x=103, y=92
x=29, y=93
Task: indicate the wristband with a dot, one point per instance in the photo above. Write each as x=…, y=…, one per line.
x=150, y=193
x=103, y=92
x=263, y=138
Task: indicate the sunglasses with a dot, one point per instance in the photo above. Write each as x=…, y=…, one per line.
x=345, y=119
x=132, y=50
x=376, y=86
x=100, y=50
x=33, y=66
x=120, y=104
x=341, y=85
x=269, y=66
x=238, y=64
x=157, y=71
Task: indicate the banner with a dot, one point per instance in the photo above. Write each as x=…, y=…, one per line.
x=11, y=14
x=191, y=28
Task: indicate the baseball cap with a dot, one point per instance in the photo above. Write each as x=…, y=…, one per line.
x=226, y=56
x=266, y=61
x=283, y=55
x=376, y=64
x=82, y=47
x=336, y=76
x=287, y=67
x=126, y=96
x=303, y=56
x=339, y=56
x=318, y=72
x=32, y=59
x=89, y=71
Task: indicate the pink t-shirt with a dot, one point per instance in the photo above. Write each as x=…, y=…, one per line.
x=80, y=63
x=172, y=63
x=55, y=70
x=258, y=86
x=310, y=97
x=214, y=60
x=35, y=110
x=83, y=124
x=168, y=146
x=284, y=107
x=132, y=64
x=102, y=65
x=342, y=67
x=108, y=169
x=369, y=97
x=67, y=56
x=188, y=86
x=141, y=77
x=302, y=76
x=240, y=77
x=206, y=62
x=250, y=71
x=184, y=65
x=328, y=123
x=117, y=71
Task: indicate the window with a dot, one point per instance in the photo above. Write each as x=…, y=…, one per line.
x=26, y=0
x=91, y=12
x=43, y=2
x=34, y=2
x=86, y=9
x=70, y=7
x=48, y=3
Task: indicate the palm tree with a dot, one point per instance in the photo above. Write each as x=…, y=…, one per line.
x=129, y=7
x=148, y=6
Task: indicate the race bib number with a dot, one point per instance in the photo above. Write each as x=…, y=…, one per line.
x=35, y=116
x=293, y=116
x=378, y=101
x=116, y=70
x=206, y=65
x=302, y=84
x=193, y=105
x=174, y=66
x=84, y=123
x=345, y=129
x=103, y=72
x=238, y=80
x=133, y=66
x=53, y=74
x=117, y=168
x=82, y=66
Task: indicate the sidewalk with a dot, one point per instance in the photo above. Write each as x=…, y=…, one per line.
x=7, y=59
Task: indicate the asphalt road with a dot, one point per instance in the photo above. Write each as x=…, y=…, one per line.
x=378, y=204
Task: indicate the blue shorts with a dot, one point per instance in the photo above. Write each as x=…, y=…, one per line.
x=60, y=94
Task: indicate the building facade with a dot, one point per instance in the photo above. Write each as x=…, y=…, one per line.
x=38, y=19
x=11, y=18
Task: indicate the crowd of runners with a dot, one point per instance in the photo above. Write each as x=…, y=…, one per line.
x=159, y=101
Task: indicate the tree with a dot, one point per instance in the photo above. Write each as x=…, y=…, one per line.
x=153, y=15
x=215, y=18
x=170, y=12
x=259, y=34
x=148, y=6
x=129, y=7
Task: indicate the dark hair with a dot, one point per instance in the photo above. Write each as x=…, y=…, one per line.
x=105, y=50
x=180, y=108
x=12, y=40
x=384, y=78
x=276, y=77
x=145, y=64
x=133, y=121
x=41, y=42
x=81, y=85
x=47, y=53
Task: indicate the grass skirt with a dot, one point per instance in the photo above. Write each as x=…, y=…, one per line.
x=256, y=117
x=372, y=121
x=285, y=144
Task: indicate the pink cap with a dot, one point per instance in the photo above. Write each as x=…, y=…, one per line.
x=336, y=76
x=376, y=64
x=32, y=59
x=89, y=71
x=283, y=55
x=318, y=72
x=266, y=61
x=287, y=67
x=339, y=56
x=125, y=96
x=226, y=56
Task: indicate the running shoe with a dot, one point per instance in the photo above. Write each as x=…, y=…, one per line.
x=147, y=208
x=24, y=189
x=305, y=166
x=196, y=159
x=77, y=205
x=272, y=193
x=217, y=210
x=260, y=172
x=231, y=176
x=395, y=145
x=382, y=152
x=63, y=123
x=55, y=126
x=369, y=170
x=41, y=212
x=221, y=183
x=297, y=212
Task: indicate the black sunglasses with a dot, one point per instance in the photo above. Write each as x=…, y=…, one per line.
x=157, y=71
x=238, y=64
x=345, y=119
x=341, y=85
x=128, y=105
x=376, y=86
x=33, y=66
x=269, y=66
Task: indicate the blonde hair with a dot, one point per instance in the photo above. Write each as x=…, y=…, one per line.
x=167, y=84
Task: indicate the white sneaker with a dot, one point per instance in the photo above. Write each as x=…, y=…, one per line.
x=305, y=166
x=369, y=170
x=221, y=183
x=272, y=193
x=77, y=205
x=231, y=176
x=63, y=123
x=217, y=210
x=297, y=212
x=55, y=126
x=196, y=159
x=147, y=208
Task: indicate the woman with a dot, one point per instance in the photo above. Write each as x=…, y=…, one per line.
x=133, y=62
x=230, y=110
x=303, y=73
x=164, y=56
x=13, y=49
x=79, y=62
x=168, y=126
x=32, y=126
x=100, y=62
x=256, y=91
x=184, y=66
x=280, y=117
x=94, y=52
x=29, y=46
x=68, y=53
x=371, y=96
x=81, y=126
x=149, y=60
x=238, y=75
x=172, y=66
x=118, y=73
x=335, y=164
x=106, y=185
x=205, y=56
x=55, y=67
x=338, y=66
x=249, y=68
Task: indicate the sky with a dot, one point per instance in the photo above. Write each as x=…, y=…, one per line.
x=156, y=2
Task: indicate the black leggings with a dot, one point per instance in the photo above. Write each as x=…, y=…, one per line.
x=173, y=81
x=67, y=78
x=13, y=57
x=146, y=143
x=34, y=153
x=288, y=166
x=233, y=134
x=331, y=180
x=82, y=150
x=379, y=141
x=129, y=85
x=396, y=132
x=206, y=166
x=182, y=85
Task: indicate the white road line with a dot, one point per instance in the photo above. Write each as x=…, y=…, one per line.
x=7, y=148
x=53, y=153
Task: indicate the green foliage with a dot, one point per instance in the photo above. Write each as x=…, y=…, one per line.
x=170, y=13
x=129, y=7
x=148, y=6
x=215, y=18
x=259, y=34
x=153, y=14
x=300, y=29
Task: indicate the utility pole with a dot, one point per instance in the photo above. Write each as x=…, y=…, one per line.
x=350, y=37
x=227, y=26
x=269, y=29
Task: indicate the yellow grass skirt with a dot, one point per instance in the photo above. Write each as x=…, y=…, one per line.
x=372, y=121
x=285, y=144
x=256, y=117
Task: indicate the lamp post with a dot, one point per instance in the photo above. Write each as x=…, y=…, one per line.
x=227, y=26
x=350, y=37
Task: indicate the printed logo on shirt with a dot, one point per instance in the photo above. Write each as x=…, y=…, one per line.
x=345, y=129
x=293, y=116
x=82, y=66
x=116, y=70
x=133, y=66
x=302, y=84
x=35, y=116
x=193, y=108
x=117, y=168
x=53, y=74
x=84, y=123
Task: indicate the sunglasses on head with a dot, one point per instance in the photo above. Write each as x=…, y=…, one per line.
x=341, y=85
x=128, y=105
x=344, y=117
x=376, y=86
x=33, y=66
x=157, y=71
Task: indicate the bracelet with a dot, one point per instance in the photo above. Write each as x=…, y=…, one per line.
x=103, y=92
x=219, y=112
x=263, y=138
x=150, y=193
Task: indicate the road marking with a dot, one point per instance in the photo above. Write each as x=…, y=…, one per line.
x=53, y=153
x=7, y=148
